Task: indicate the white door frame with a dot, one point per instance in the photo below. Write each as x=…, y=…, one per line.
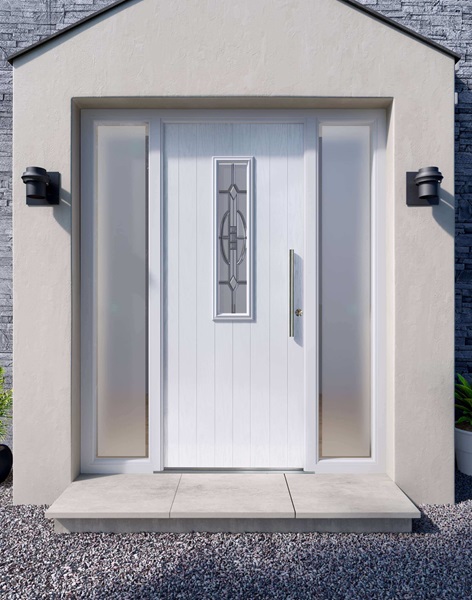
x=89, y=462
x=312, y=119
x=376, y=120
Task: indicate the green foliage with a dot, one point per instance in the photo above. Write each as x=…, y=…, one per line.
x=463, y=395
x=6, y=402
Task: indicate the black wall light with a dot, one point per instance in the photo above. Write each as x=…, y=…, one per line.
x=42, y=187
x=422, y=187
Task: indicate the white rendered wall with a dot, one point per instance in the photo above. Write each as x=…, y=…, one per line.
x=241, y=53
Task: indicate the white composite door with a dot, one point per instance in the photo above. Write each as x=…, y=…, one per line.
x=233, y=378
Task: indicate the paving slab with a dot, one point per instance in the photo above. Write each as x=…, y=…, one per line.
x=348, y=497
x=232, y=496
x=132, y=496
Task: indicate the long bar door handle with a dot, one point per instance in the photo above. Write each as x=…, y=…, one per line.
x=291, y=294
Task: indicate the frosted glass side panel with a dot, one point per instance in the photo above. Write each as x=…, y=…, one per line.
x=121, y=290
x=345, y=315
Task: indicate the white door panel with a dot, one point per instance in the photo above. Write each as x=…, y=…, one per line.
x=234, y=390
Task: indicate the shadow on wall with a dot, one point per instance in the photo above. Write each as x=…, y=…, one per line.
x=63, y=211
x=443, y=212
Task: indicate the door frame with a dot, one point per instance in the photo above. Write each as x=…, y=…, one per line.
x=156, y=120
x=376, y=463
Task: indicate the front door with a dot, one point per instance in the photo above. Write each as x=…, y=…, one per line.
x=233, y=280
x=233, y=371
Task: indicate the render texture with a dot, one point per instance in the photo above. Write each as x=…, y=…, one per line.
x=24, y=22
x=298, y=60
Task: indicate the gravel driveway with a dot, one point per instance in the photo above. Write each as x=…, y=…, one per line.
x=433, y=562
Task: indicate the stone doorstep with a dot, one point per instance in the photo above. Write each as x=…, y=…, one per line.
x=233, y=502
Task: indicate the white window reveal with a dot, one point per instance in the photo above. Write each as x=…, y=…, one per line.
x=233, y=238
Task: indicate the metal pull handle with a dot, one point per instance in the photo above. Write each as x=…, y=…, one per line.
x=291, y=294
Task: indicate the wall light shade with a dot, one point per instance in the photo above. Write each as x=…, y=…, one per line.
x=428, y=180
x=42, y=187
x=422, y=187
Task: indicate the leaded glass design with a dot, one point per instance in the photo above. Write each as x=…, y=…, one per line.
x=233, y=197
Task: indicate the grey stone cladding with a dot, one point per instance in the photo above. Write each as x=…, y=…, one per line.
x=449, y=22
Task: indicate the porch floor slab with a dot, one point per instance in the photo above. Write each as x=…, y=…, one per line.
x=233, y=502
x=331, y=496
x=232, y=496
x=117, y=496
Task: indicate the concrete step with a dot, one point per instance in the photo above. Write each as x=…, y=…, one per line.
x=233, y=502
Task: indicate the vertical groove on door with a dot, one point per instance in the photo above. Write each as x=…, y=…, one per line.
x=205, y=325
x=241, y=346
x=223, y=347
x=278, y=296
x=171, y=169
x=287, y=339
x=187, y=296
x=295, y=224
x=260, y=338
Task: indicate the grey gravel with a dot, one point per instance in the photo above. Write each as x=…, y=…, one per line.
x=435, y=561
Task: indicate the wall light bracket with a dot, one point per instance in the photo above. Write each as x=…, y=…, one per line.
x=42, y=187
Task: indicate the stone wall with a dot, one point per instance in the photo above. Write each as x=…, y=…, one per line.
x=23, y=22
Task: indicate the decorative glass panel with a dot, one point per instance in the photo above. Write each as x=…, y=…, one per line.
x=233, y=256
x=121, y=290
